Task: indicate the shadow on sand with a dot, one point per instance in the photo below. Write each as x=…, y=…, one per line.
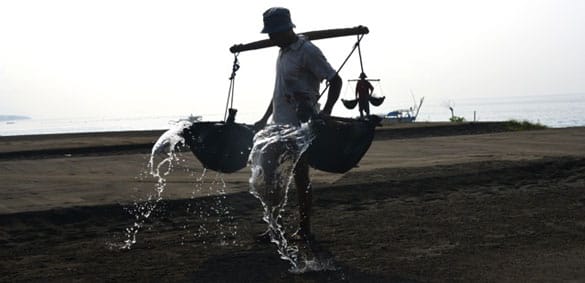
x=264, y=265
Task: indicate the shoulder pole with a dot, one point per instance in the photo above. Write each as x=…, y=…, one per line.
x=311, y=35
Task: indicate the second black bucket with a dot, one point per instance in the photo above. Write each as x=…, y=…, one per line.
x=340, y=143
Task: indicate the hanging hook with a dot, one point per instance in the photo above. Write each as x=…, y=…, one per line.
x=230, y=98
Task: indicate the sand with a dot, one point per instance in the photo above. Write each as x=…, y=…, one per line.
x=428, y=203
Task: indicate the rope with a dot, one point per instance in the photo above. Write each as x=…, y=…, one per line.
x=360, y=54
x=356, y=45
x=230, y=98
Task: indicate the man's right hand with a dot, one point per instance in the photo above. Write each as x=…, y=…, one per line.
x=325, y=112
x=262, y=123
x=259, y=125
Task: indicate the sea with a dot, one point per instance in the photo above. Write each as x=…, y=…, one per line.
x=555, y=111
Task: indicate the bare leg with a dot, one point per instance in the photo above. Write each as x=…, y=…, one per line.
x=305, y=194
x=363, y=104
x=367, y=108
x=267, y=188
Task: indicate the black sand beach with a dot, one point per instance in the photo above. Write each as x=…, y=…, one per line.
x=428, y=204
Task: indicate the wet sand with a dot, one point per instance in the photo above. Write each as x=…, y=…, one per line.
x=429, y=203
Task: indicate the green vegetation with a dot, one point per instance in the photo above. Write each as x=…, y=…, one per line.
x=515, y=125
x=457, y=119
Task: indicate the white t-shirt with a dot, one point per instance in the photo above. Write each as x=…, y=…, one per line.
x=300, y=68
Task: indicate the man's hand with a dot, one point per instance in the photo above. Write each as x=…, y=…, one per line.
x=259, y=125
x=334, y=89
x=262, y=123
x=325, y=113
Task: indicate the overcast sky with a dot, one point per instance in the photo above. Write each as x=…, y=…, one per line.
x=144, y=58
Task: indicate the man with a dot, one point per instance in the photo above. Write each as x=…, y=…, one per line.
x=363, y=91
x=300, y=68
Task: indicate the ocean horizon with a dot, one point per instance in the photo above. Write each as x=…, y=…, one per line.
x=555, y=111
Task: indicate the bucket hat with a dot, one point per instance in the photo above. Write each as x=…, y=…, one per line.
x=277, y=19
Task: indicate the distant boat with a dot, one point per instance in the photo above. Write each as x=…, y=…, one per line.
x=12, y=118
x=194, y=118
x=404, y=115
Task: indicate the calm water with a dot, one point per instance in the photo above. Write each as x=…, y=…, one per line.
x=564, y=110
x=556, y=111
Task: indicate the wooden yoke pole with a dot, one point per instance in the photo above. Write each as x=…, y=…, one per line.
x=311, y=35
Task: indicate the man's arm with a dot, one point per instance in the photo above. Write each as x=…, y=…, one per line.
x=334, y=89
x=260, y=124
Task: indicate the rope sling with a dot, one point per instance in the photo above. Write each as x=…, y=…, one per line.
x=230, y=111
x=355, y=46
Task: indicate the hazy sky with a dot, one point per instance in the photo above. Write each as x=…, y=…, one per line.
x=142, y=58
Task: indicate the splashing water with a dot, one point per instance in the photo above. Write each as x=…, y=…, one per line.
x=163, y=149
x=224, y=221
x=162, y=160
x=276, y=151
x=165, y=146
x=219, y=208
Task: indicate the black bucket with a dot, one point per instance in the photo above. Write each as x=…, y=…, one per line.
x=349, y=104
x=340, y=143
x=220, y=146
x=376, y=101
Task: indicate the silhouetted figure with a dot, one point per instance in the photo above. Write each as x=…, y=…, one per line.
x=300, y=68
x=363, y=91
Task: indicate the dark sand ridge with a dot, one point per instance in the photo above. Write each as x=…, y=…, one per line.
x=505, y=206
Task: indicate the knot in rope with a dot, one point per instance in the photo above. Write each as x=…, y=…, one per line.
x=235, y=66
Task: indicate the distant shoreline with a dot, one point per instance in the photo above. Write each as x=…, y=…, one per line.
x=107, y=143
x=8, y=118
x=491, y=125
